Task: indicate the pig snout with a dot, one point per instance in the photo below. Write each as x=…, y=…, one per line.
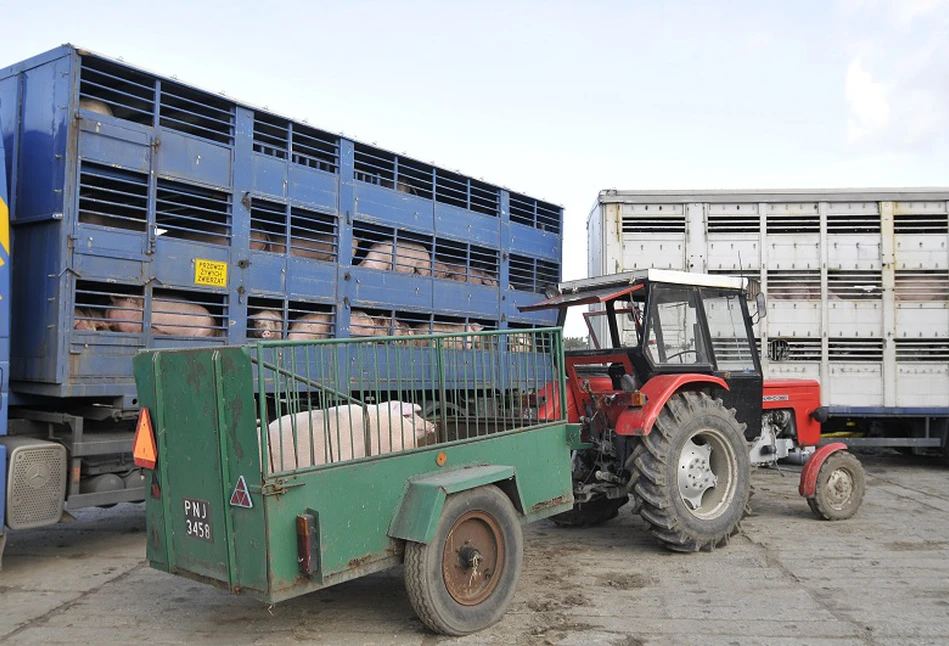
x=266, y=324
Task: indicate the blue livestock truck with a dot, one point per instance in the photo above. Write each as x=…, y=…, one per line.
x=141, y=212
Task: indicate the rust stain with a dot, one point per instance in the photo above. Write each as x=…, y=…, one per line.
x=359, y=561
x=553, y=502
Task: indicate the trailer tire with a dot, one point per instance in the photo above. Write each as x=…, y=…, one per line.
x=841, y=485
x=693, y=473
x=593, y=512
x=478, y=529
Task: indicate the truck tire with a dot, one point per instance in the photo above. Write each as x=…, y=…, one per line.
x=594, y=512
x=841, y=484
x=693, y=474
x=464, y=579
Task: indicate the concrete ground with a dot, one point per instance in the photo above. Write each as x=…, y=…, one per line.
x=881, y=578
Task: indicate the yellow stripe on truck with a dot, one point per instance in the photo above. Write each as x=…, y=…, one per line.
x=4, y=227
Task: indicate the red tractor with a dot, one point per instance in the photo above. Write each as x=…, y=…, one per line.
x=675, y=412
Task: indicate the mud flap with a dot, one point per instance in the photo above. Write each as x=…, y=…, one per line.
x=808, y=486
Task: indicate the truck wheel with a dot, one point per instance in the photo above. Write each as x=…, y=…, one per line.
x=841, y=484
x=594, y=512
x=693, y=473
x=464, y=579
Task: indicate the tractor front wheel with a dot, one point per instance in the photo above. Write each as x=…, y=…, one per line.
x=464, y=579
x=693, y=474
x=841, y=484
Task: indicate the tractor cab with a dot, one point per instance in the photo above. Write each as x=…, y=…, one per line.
x=663, y=323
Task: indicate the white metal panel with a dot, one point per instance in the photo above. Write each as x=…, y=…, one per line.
x=662, y=251
x=922, y=320
x=921, y=251
x=922, y=384
x=850, y=319
x=854, y=384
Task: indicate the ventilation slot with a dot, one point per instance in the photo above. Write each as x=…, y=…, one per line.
x=188, y=314
x=734, y=222
x=534, y=213
x=308, y=321
x=414, y=178
x=793, y=218
x=935, y=223
x=196, y=113
x=458, y=190
x=653, y=220
x=193, y=213
x=531, y=274
x=315, y=149
x=374, y=166
x=484, y=266
x=793, y=349
x=854, y=285
x=107, y=307
x=266, y=319
x=268, y=226
x=841, y=350
x=113, y=197
x=848, y=223
x=127, y=94
x=922, y=350
x=312, y=235
x=922, y=286
x=271, y=135
x=451, y=260
x=800, y=285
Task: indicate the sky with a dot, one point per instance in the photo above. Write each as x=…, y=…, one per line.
x=560, y=100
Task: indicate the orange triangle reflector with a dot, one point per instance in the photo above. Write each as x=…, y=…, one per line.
x=144, y=451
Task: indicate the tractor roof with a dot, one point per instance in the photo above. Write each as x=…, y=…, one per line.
x=601, y=289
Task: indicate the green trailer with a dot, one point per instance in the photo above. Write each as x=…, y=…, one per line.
x=280, y=468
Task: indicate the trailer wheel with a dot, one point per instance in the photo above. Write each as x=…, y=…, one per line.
x=593, y=512
x=693, y=474
x=464, y=579
x=841, y=484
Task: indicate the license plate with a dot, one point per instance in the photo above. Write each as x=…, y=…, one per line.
x=198, y=519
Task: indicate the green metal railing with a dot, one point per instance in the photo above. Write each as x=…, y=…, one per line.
x=327, y=401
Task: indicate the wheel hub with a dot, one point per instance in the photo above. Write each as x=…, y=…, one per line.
x=839, y=488
x=472, y=558
x=695, y=473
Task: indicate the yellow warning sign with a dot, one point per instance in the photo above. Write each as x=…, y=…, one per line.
x=210, y=272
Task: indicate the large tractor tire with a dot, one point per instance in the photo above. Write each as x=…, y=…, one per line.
x=841, y=484
x=593, y=512
x=693, y=474
x=464, y=579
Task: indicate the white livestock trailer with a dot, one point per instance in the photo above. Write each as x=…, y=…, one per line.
x=857, y=283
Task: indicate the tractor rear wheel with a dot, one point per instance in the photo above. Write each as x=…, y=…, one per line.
x=693, y=474
x=841, y=484
x=464, y=579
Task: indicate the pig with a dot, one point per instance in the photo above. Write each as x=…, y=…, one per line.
x=450, y=271
x=170, y=316
x=315, y=325
x=391, y=426
x=95, y=105
x=175, y=317
x=259, y=241
x=318, y=247
x=265, y=324
x=362, y=324
x=198, y=231
x=409, y=258
x=88, y=320
x=483, y=277
x=450, y=328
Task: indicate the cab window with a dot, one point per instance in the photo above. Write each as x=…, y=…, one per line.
x=673, y=332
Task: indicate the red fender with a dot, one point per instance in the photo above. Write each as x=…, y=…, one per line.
x=658, y=390
x=808, y=487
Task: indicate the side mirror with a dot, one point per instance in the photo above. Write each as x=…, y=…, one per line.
x=762, y=305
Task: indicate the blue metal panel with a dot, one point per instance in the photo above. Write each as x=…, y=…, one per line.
x=452, y=222
x=454, y=298
x=311, y=278
x=385, y=206
x=187, y=158
x=372, y=288
x=106, y=140
x=270, y=176
x=313, y=188
x=533, y=242
x=267, y=272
